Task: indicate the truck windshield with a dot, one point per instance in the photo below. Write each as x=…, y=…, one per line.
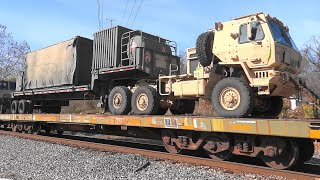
x=281, y=36
x=12, y=86
x=3, y=85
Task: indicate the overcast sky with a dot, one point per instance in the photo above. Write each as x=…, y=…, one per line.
x=42, y=23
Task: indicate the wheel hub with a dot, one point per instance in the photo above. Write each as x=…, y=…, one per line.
x=117, y=100
x=230, y=98
x=142, y=102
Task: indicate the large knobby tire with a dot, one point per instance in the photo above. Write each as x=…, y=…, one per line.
x=232, y=97
x=271, y=108
x=183, y=106
x=204, y=47
x=145, y=101
x=14, y=107
x=119, y=101
x=23, y=107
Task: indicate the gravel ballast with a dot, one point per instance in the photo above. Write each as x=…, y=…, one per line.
x=28, y=159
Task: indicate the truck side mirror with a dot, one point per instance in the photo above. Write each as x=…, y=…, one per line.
x=252, y=30
x=286, y=29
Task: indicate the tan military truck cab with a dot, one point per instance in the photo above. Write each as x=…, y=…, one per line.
x=245, y=66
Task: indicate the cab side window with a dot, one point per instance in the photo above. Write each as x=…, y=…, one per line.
x=256, y=32
x=243, y=37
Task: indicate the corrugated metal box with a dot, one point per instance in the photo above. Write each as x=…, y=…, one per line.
x=107, y=47
x=65, y=63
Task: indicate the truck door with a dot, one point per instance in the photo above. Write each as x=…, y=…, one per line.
x=253, y=44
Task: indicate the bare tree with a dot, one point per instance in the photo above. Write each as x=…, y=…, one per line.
x=312, y=51
x=12, y=54
x=183, y=61
x=311, y=72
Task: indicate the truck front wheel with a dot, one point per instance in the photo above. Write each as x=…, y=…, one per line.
x=119, y=100
x=232, y=97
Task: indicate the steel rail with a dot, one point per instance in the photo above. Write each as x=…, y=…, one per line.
x=230, y=166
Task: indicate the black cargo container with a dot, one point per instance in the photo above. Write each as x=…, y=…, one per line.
x=65, y=63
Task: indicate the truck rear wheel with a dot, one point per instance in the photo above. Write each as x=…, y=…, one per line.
x=119, y=101
x=145, y=101
x=183, y=106
x=269, y=107
x=204, y=48
x=22, y=107
x=232, y=97
x=14, y=107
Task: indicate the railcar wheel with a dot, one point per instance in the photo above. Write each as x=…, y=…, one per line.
x=168, y=143
x=285, y=154
x=218, y=147
x=119, y=101
x=306, y=150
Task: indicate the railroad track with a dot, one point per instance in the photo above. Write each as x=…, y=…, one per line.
x=228, y=166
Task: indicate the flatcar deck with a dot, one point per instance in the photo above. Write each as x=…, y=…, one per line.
x=270, y=127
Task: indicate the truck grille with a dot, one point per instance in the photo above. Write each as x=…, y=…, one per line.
x=261, y=74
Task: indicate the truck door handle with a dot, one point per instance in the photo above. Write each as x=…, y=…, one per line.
x=257, y=42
